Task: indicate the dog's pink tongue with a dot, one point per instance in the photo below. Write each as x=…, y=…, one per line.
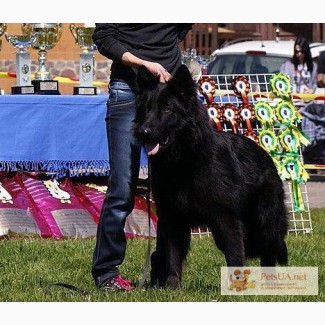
x=152, y=149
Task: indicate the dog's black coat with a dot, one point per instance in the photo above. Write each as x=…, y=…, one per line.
x=203, y=177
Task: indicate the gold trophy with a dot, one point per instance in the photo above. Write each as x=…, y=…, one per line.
x=3, y=28
x=21, y=42
x=47, y=36
x=83, y=37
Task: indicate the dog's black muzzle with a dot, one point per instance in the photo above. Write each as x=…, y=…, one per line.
x=144, y=133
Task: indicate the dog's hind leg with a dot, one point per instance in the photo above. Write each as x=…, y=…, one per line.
x=272, y=227
x=282, y=257
x=268, y=258
x=229, y=238
x=273, y=250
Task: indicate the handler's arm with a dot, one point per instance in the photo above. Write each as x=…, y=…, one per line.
x=105, y=37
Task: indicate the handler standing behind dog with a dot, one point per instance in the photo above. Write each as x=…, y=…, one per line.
x=129, y=46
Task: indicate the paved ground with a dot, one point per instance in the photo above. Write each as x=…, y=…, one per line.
x=316, y=191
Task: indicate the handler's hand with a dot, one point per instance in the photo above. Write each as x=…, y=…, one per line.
x=158, y=69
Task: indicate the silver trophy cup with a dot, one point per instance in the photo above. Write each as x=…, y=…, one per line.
x=23, y=75
x=83, y=37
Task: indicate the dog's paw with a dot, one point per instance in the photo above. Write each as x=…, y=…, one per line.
x=153, y=281
x=173, y=282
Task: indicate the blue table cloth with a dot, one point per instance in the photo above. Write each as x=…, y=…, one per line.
x=54, y=133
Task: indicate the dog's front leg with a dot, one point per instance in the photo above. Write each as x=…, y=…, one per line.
x=177, y=246
x=158, y=259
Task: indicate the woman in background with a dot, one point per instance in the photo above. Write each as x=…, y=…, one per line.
x=301, y=69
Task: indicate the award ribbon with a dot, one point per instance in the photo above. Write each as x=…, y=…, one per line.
x=216, y=114
x=231, y=114
x=290, y=140
x=246, y=115
x=264, y=114
x=286, y=112
x=281, y=85
x=207, y=87
x=287, y=115
x=268, y=141
x=294, y=171
x=241, y=88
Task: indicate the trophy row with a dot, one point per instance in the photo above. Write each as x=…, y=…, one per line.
x=43, y=37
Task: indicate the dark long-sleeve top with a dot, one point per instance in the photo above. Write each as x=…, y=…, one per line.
x=150, y=42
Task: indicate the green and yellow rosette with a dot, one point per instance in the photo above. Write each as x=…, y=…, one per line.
x=292, y=138
x=294, y=171
x=281, y=85
x=264, y=114
x=289, y=140
x=287, y=113
x=268, y=141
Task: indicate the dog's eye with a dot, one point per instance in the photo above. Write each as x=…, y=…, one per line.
x=166, y=109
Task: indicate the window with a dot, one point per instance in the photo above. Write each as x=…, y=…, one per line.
x=245, y=64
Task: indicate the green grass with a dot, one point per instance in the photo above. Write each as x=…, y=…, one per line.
x=29, y=265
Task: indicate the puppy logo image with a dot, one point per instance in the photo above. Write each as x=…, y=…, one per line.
x=5, y=196
x=239, y=280
x=56, y=192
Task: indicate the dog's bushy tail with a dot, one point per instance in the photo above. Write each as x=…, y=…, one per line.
x=282, y=257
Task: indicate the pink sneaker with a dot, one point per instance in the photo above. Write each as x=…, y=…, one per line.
x=117, y=283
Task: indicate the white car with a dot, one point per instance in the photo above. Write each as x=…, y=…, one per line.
x=255, y=57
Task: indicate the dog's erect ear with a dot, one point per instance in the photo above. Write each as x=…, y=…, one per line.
x=183, y=82
x=145, y=79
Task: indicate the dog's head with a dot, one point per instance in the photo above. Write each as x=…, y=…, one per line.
x=163, y=109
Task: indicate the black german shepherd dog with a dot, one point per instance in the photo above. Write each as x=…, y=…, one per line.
x=200, y=176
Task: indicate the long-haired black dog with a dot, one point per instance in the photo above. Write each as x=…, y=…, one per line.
x=203, y=177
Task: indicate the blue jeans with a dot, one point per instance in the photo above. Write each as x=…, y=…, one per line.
x=124, y=156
